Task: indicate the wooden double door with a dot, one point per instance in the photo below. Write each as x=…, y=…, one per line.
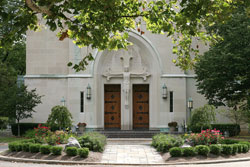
x=141, y=107
x=112, y=107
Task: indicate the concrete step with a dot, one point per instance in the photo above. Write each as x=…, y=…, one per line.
x=129, y=133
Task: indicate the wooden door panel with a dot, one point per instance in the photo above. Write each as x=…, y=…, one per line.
x=112, y=106
x=140, y=106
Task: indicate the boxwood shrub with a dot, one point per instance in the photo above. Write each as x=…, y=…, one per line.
x=83, y=152
x=245, y=142
x=12, y=146
x=227, y=149
x=26, y=147
x=245, y=148
x=45, y=149
x=202, y=150
x=93, y=140
x=215, y=149
x=175, y=152
x=71, y=151
x=240, y=148
x=56, y=150
x=34, y=148
x=235, y=149
x=18, y=146
x=188, y=151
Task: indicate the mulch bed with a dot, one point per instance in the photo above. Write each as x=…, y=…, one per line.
x=168, y=158
x=93, y=156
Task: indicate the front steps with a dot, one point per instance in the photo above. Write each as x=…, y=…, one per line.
x=129, y=133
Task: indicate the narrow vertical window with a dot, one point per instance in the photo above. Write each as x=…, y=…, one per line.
x=171, y=101
x=82, y=102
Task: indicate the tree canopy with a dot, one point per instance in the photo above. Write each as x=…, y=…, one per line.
x=103, y=24
x=223, y=73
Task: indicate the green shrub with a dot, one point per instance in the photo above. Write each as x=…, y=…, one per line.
x=229, y=141
x=227, y=149
x=240, y=147
x=45, y=149
x=23, y=127
x=93, y=140
x=31, y=133
x=71, y=151
x=83, y=152
x=235, y=149
x=202, y=117
x=12, y=146
x=28, y=141
x=3, y=122
x=202, y=150
x=245, y=142
x=56, y=150
x=245, y=148
x=163, y=142
x=26, y=147
x=175, y=152
x=233, y=129
x=215, y=149
x=34, y=148
x=60, y=116
x=18, y=146
x=188, y=151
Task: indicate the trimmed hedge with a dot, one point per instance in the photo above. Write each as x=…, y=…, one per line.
x=83, y=152
x=56, y=150
x=18, y=146
x=28, y=126
x=26, y=147
x=245, y=148
x=45, y=149
x=188, y=151
x=175, y=152
x=12, y=146
x=23, y=128
x=215, y=149
x=233, y=129
x=240, y=148
x=93, y=140
x=235, y=149
x=229, y=141
x=227, y=149
x=34, y=148
x=202, y=150
x=71, y=151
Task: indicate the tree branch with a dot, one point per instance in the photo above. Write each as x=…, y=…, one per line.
x=39, y=9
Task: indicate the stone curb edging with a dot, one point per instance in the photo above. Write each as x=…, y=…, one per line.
x=5, y=158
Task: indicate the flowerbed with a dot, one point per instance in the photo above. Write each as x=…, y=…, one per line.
x=207, y=143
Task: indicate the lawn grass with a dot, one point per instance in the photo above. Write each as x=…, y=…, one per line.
x=10, y=139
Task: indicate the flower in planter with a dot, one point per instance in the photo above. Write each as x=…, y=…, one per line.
x=81, y=124
x=172, y=124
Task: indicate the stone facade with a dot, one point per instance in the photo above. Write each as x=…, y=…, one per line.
x=148, y=61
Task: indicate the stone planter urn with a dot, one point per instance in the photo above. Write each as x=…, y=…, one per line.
x=81, y=127
x=172, y=126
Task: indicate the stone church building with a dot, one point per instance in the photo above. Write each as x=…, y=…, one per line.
x=138, y=88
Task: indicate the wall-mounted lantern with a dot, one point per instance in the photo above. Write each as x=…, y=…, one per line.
x=164, y=92
x=190, y=103
x=88, y=92
x=63, y=101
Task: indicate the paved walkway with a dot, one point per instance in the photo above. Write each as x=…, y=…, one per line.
x=133, y=154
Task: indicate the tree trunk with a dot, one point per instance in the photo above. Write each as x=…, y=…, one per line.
x=18, y=128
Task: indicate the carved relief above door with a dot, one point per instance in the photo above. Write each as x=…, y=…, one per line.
x=140, y=106
x=112, y=106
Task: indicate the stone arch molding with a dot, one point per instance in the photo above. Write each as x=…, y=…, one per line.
x=144, y=58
